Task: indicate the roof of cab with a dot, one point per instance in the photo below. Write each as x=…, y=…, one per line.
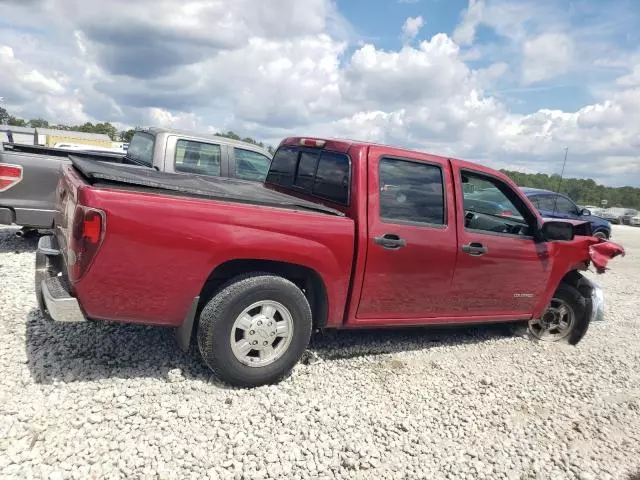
x=205, y=137
x=343, y=145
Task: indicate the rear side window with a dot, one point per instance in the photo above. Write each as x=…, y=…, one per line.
x=411, y=192
x=141, y=149
x=197, y=157
x=320, y=173
x=251, y=165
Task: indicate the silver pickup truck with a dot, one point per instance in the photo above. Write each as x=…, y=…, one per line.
x=29, y=174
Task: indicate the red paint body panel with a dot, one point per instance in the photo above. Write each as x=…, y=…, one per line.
x=414, y=281
x=158, y=251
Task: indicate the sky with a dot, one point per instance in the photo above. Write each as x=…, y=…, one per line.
x=506, y=83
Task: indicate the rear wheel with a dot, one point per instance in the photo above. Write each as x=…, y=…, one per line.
x=565, y=319
x=254, y=330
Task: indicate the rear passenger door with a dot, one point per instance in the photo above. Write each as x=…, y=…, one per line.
x=411, y=249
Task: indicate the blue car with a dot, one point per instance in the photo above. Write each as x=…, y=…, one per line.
x=555, y=205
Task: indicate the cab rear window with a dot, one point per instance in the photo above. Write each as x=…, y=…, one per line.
x=320, y=173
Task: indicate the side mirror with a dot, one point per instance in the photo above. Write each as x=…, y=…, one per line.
x=585, y=211
x=556, y=231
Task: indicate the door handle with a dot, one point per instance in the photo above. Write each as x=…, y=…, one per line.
x=475, y=249
x=390, y=241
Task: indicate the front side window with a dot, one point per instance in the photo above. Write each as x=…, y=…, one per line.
x=197, y=157
x=565, y=206
x=251, y=165
x=490, y=205
x=411, y=192
x=546, y=202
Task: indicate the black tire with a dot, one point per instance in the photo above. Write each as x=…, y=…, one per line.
x=574, y=300
x=217, y=318
x=601, y=234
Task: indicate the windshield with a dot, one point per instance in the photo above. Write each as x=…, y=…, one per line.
x=141, y=149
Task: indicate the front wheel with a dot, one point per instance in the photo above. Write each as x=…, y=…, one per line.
x=255, y=330
x=565, y=319
x=601, y=234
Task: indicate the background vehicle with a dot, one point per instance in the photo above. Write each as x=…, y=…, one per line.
x=88, y=148
x=490, y=201
x=610, y=216
x=628, y=215
x=29, y=174
x=342, y=234
x=555, y=205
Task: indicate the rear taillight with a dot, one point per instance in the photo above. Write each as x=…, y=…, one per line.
x=506, y=213
x=86, y=237
x=10, y=175
x=312, y=142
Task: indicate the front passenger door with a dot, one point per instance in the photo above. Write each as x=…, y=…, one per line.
x=500, y=269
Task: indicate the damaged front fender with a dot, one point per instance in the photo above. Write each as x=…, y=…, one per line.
x=600, y=253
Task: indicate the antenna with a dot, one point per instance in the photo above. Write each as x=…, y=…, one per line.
x=555, y=200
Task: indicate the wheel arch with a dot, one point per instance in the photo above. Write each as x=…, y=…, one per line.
x=305, y=278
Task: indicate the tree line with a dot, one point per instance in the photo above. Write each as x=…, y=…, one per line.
x=105, y=128
x=581, y=191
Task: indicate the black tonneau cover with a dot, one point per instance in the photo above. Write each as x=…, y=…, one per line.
x=219, y=188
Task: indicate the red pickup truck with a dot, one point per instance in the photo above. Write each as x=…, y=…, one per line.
x=342, y=234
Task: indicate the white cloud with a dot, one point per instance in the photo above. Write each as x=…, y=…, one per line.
x=546, y=56
x=288, y=69
x=465, y=32
x=411, y=27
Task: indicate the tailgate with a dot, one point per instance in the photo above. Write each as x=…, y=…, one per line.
x=69, y=184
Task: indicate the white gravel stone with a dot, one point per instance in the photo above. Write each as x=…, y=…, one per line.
x=119, y=401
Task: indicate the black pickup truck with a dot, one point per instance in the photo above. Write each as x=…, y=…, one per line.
x=29, y=174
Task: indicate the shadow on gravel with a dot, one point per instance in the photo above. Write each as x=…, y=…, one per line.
x=90, y=351
x=9, y=243
x=336, y=345
x=94, y=350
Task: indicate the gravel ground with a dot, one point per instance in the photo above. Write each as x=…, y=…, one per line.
x=98, y=400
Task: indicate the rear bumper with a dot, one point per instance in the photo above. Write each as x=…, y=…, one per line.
x=27, y=217
x=6, y=216
x=52, y=288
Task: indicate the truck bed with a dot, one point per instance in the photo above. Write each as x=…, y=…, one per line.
x=101, y=173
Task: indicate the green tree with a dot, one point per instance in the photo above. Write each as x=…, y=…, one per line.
x=16, y=121
x=4, y=116
x=581, y=191
x=38, y=123
x=126, y=135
